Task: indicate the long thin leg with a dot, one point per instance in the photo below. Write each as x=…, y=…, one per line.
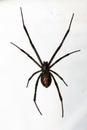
x=35, y=94
x=26, y=54
x=30, y=38
x=61, y=99
x=59, y=77
x=62, y=40
x=64, y=57
x=31, y=77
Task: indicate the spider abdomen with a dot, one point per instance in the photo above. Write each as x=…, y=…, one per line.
x=46, y=79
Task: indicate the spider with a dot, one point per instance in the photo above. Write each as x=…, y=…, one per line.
x=46, y=74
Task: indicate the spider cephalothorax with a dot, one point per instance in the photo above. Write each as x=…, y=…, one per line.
x=46, y=74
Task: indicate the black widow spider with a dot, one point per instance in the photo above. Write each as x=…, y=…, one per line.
x=46, y=74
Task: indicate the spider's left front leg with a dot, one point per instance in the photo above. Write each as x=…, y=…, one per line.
x=61, y=99
x=26, y=31
x=35, y=94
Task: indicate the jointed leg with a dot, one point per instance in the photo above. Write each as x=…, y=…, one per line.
x=59, y=77
x=31, y=77
x=26, y=54
x=35, y=94
x=61, y=99
x=62, y=40
x=30, y=38
x=64, y=57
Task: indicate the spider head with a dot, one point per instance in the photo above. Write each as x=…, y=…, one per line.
x=45, y=66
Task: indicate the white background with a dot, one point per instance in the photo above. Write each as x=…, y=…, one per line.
x=47, y=22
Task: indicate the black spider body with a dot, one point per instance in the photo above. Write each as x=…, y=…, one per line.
x=46, y=74
x=46, y=79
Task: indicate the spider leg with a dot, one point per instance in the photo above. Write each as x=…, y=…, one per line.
x=35, y=94
x=31, y=77
x=64, y=57
x=62, y=40
x=61, y=99
x=59, y=77
x=30, y=38
x=26, y=54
